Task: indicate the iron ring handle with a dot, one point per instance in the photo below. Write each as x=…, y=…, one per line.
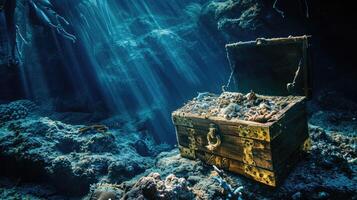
x=213, y=138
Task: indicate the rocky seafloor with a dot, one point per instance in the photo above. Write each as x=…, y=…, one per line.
x=39, y=148
x=43, y=158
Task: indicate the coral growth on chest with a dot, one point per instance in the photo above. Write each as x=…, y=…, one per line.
x=230, y=105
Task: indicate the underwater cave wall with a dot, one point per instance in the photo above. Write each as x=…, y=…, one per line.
x=3, y=40
x=10, y=80
x=131, y=58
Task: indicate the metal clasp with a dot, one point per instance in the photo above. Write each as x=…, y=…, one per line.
x=213, y=138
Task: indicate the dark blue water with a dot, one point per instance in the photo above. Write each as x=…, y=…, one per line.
x=130, y=58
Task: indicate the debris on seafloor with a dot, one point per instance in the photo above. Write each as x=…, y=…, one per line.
x=153, y=186
x=105, y=191
x=232, y=105
x=228, y=190
x=97, y=127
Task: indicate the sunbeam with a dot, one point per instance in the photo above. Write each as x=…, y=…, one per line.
x=148, y=56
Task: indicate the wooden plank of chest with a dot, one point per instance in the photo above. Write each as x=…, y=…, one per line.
x=293, y=134
x=232, y=147
x=239, y=128
x=262, y=175
x=268, y=177
x=289, y=133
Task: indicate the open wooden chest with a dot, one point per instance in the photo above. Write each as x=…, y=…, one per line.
x=263, y=150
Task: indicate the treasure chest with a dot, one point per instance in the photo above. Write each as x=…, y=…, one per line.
x=231, y=130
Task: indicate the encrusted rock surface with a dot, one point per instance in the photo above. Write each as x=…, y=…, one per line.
x=237, y=19
x=71, y=157
x=15, y=110
x=153, y=187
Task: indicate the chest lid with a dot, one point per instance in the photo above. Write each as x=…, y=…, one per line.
x=276, y=67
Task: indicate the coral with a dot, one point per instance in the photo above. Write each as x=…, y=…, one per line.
x=172, y=163
x=38, y=147
x=61, y=165
x=333, y=150
x=105, y=191
x=120, y=171
x=63, y=176
x=68, y=144
x=153, y=187
x=15, y=110
x=101, y=143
